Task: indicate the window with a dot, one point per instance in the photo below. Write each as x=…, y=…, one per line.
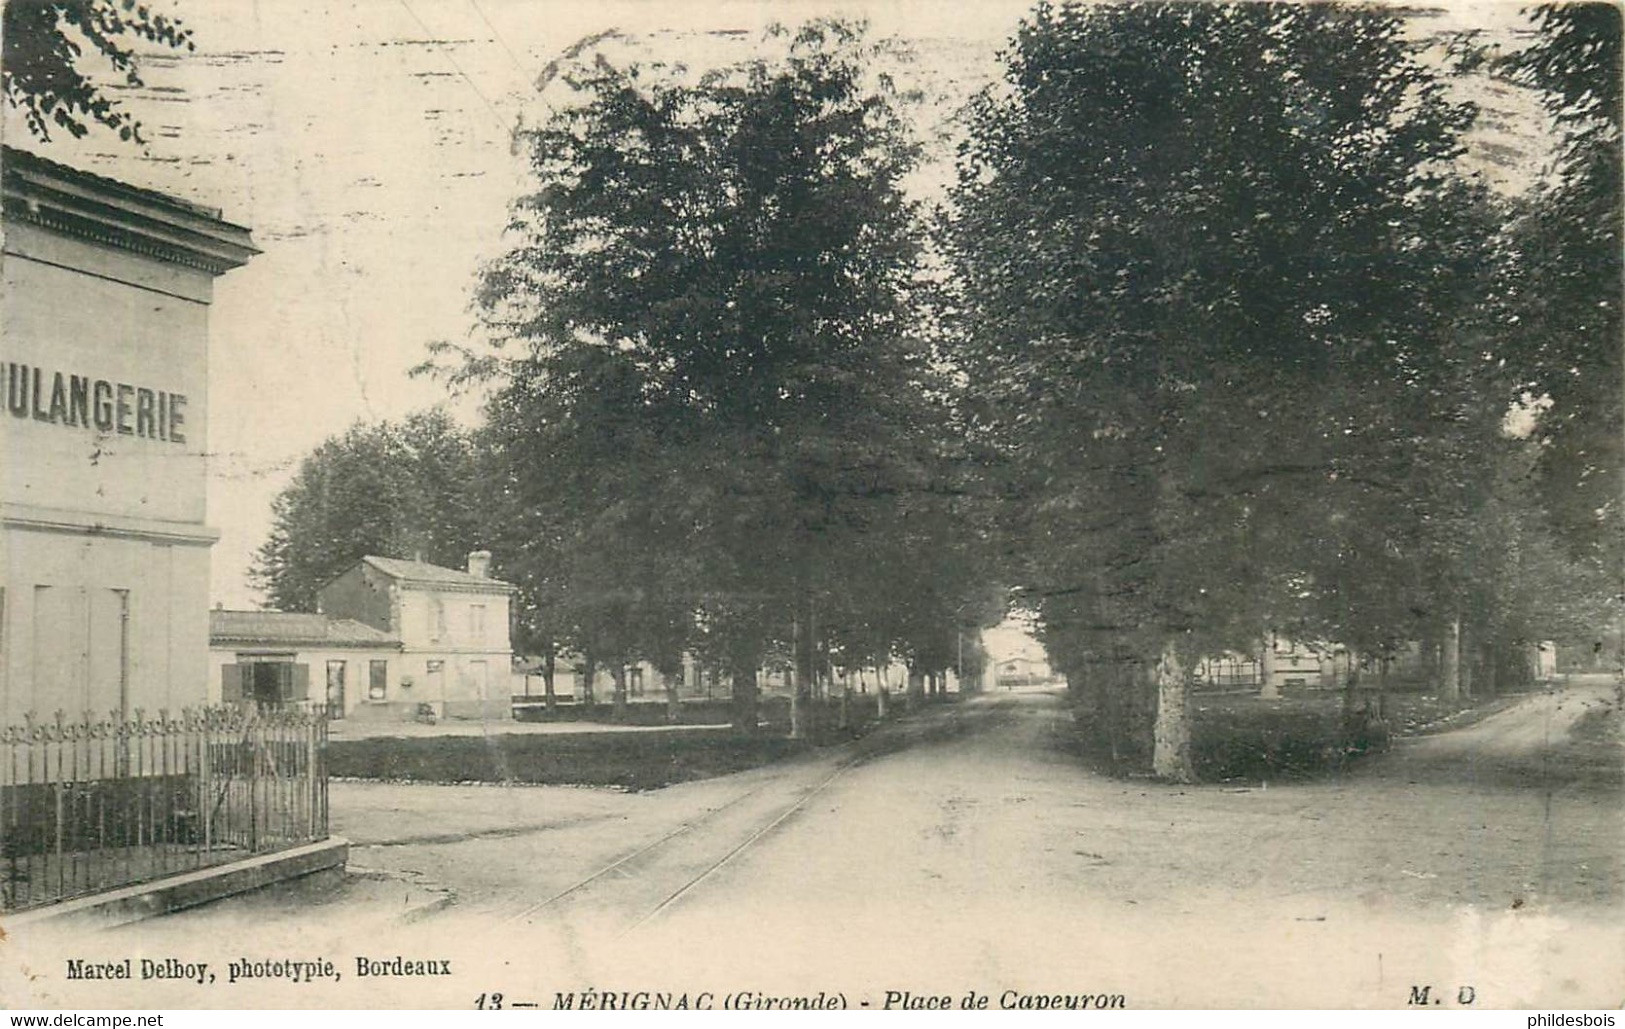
x=476, y=622
x=53, y=660
x=377, y=679
x=437, y=618
x=335, y=689
x=108, y=650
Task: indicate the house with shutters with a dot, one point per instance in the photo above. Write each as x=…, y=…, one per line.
x=284, y=659
x=456, y=656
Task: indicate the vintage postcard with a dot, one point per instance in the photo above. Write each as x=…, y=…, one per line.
x=614, y=505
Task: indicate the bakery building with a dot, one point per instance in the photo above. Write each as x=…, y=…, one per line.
x=104, y=539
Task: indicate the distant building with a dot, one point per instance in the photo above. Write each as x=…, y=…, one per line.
x=1300, y=664
x=1308, y=664
x=284, y=659
x=569, y=679
x=1021, y=670
x=455, y=659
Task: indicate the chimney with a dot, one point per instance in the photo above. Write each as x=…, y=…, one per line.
x=479, y=563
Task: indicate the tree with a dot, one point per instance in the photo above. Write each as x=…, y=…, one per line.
x=43, y=42
x=1534, y=547
x=1570, y=279
x=1187, y=240
x=403, y=489
x=706, y=338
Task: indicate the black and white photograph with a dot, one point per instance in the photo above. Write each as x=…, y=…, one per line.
x=1012, y=505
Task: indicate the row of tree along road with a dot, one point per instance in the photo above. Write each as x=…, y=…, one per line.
x=1209, y=336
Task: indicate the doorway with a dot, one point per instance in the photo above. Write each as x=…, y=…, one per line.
x=265, y=681
x=335, y=688
x=272, y=680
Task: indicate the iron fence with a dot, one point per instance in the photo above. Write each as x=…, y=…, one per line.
x=89, y=805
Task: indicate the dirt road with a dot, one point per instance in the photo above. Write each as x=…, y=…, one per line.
x=1528, y=741
x=966, y=849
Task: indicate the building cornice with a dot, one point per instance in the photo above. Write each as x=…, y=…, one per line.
x=265, y=643
x=79, y=523
x=491, y=588
x=105, y=211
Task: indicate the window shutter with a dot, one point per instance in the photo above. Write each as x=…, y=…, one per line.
x=231, y=684
x=297, y=685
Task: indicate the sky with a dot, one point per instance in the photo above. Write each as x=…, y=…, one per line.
x=367, y=145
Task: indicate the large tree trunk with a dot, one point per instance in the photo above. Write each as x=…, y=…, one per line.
x=618, y=673
x=1490, y=661
x=801, y=692
x=1450, y=660
x=1085, y=687
x=1351, y=685
x=1532, y=672
x=1430, y=655
x=916, y=687
x=693, y=676
x=674, y=703
x=882, y=698
x=1468, y=666
x=589, y=672
x=1116, y=698
x=1382, y=687
x=743, y=671
x=823, y=671
x=1267, y=689
x=1171, y=737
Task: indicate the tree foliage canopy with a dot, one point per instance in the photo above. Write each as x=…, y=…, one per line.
x=407, y=489
x=1249, y=339
x=45, y=41
x=1216, y=340
x=1571, y=279
x=1190, y=242
x=710, y=376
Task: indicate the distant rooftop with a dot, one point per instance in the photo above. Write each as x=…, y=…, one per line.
x=423, y=573
x=293, y=629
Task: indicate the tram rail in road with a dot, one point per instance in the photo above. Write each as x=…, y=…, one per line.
x=643, y=884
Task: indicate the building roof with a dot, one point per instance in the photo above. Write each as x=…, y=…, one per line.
x=421, y=573
x=293, y=629
x=113, y=213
